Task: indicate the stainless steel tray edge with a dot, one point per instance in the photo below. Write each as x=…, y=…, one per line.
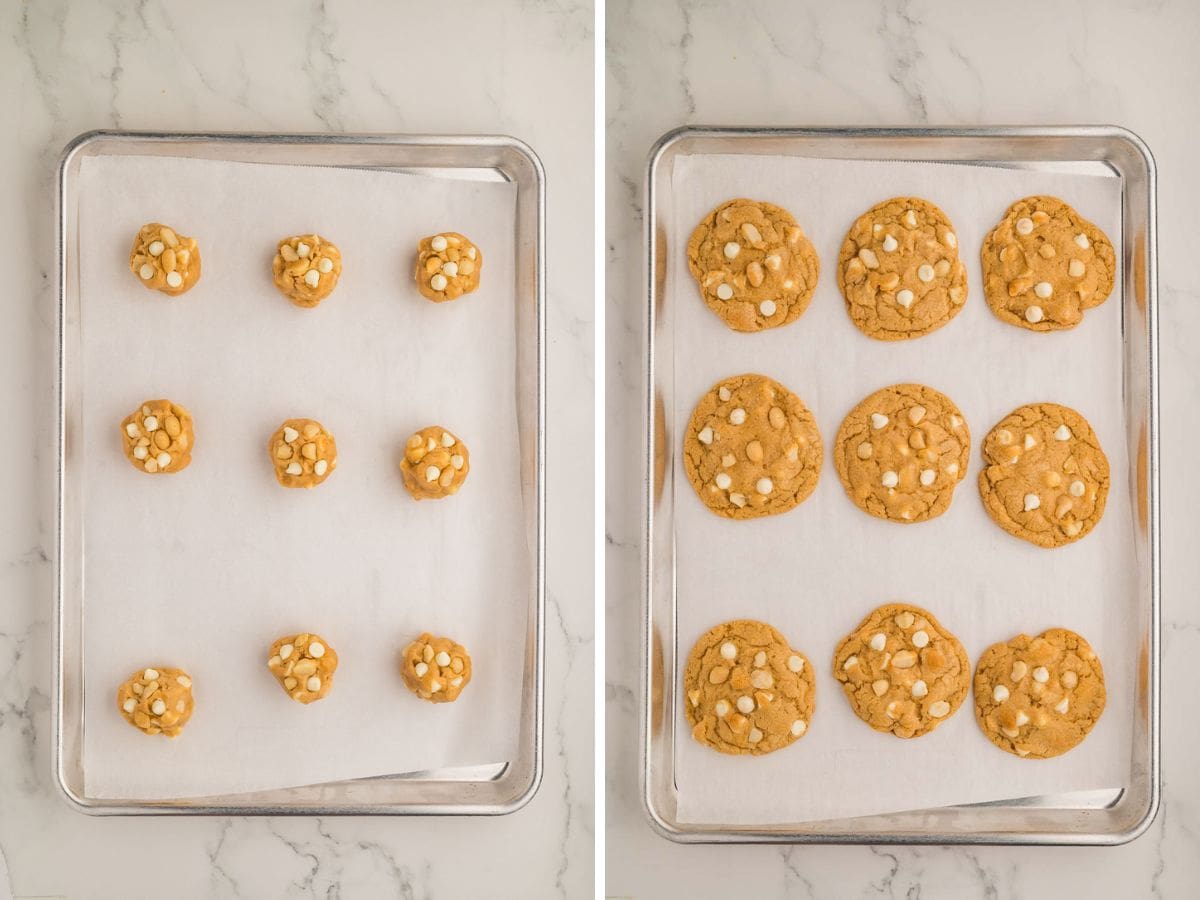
x=1051, y=821
x=495, y=790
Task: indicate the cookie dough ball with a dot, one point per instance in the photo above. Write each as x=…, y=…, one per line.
x=157, y=700
x=746, y=690
x=899, y=270
x=902, y=671
x=447, y=266
x=306, y=268
x=164, y=260
x=1044, y=264
x=303, y=664
x=753, y=265
x=1045, y=478
x=158, y=437
x=436, y=669
x=752, y=448
x=901, y=453
x=435, y=464
x=1039, y=697
x=303, y=453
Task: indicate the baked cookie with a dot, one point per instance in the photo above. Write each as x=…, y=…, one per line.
x=1044, y=264
x=158, y=437
x=899, y=270
x=306, y=268
x=303, y=453
x=902, y=671
x=752, y=448
x=447, y=266
x=746, y=690
x=164, y=260
x=902, y=451
x=436, y=669
x=435, y=464
x=303, y=664
x=157, y=700
x=1039, y=696
x=753, y=265
x=1046, y=478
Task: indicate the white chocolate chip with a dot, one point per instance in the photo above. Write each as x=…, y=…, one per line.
x=925, y=272
x=129, y=705
x=724, y=291
x=905, y=619
x=450, y=268
x=737, y=416
x=919, y=688
x=755, y=736
x=434, y=686
x=1041, y=675
x=174, y=279
x=1024, y=225
x=158, y=707
x=312, y=278
x=879, y=686
x=421, y=668
x=723, y=480
x=140, y=452
x=438, y=244
x=442, y=658
x=1062, y=433
x=850, y=662
x=293, y=468
x=721, y=708
x=865, y=450
x=761, y=679
x=1081, y=241
x=155, y=248
x=890, y=479
x=432, y=473
x=132, y=430
x=950, y=240
x=1030, y=441
x=438, y=282
x=878, y=420
x=1033, y=314
x=302, y=250
x=285, y=651
x=290, y=434
x=1032, y=502
x=916, y=414
x=878, y=641
x=750, y=232
x=146, y=271
x=928, y=477
x=151, y=423
x=999, y=693
x=764, y=486
x=799, y=727
x=1019, y=670
x=891, y=711
x=1022, y=719
x=868, y=257
x=909, y=218
x=767, y=307
x=316, y=649
x=732, y=249
x=920, y=638
x=939, y=709
x=325, y=265
x=729, y=650
x=745, y=705
x=890, y=244
x=313, y=684
x=163, y=460
x=1043, y=289
x=796, y=663
x=320, y=468
x=905, y=298
x=705, y=436
x=1077, y=488
x=1076, y=268
x=1069, y=679
x=724, y=393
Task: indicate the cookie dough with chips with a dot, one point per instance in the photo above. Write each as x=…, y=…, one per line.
x=435, y=463
x=164, y=260
x=902, y=671
x=306, y=268
x=157, y=700
x=753, y=264
x=158, y=437
x=746, y=690
x=436, y=669
x=1039, y=697
x=303, y=453
x=448, y=266
x=303, y=664
x=752, y=448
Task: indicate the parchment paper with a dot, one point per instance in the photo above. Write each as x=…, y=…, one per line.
x=205, y=568
x=816, y=571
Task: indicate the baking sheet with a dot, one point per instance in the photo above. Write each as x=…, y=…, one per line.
x=205, y=568
x=817, y=571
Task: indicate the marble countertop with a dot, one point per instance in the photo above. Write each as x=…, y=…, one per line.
x=905, y=62
x=278, y=66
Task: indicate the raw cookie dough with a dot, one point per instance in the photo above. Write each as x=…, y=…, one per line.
x=157, y=700
x=435, y=464
x=902, y=451
x=753, y=265
x=1039, y=696
x=436, y=669
x=306, y=268
x=899, y=270
x=752, y=448
x=164, y=260
x=747, y=691
x=902, y=671
x=158, y=437
x=1044, y=264
x=303, y=453
x=1046, y=478
x=303, y=664
x=447, y=266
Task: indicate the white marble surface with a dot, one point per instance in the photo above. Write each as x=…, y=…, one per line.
x=282, y=66
x=905, y=63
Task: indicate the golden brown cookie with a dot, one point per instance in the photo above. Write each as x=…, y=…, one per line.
x=306, y=268
x=1045, y=477
x=752, y=448
x=435, y=463
x=753, y=265
x=164, y=260
x=303, y=453
x=303, y=664
x=1039, y=696
x=436, y=669
x=1044, y=264
x=747, y=691
x=158, y=437
x=902, y=451
x=448, y=266
x=902, y=671
x=157, y=700
x=899, y=270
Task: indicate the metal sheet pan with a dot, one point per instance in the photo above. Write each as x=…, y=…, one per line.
x=495, y=789
x=1105, y=817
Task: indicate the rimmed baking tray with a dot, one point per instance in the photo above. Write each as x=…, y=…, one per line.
x=494, y=789
x=1104, y=817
